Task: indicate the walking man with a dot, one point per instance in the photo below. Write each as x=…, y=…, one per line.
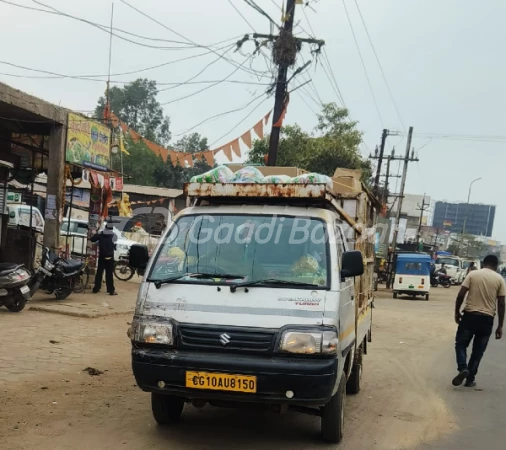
x=485, y=291
x=106, y=245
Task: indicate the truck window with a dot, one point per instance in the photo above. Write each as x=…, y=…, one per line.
x=251, y=247
x=24, y=218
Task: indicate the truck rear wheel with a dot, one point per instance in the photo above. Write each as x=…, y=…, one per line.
x=332, y=421
x=166, y=409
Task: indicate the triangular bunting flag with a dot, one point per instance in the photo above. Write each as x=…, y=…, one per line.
x=267, y=117
x=236, y=147
x=173, y=158
x=228, y=151
x=279, y=123
x=259, y=129
x=209, y=156
x=246, y=138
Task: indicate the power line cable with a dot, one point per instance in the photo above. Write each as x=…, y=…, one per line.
x=241, y=14
x=380, y=66
x=363, y=63
x=215, y=116
x=261, y=11
x=241, y=121
x=207, y=87
x=260, y=74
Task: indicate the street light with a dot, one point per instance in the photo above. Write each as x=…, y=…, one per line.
x=467, y=211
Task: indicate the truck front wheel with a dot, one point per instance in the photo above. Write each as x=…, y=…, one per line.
x=332, y=420
x=166, y=409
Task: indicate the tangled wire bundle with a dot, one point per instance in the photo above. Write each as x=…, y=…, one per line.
x=285, y=48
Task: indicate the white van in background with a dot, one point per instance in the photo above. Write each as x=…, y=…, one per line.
x=19, y=215
x=454, y=267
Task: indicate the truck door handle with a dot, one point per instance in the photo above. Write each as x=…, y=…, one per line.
x=353, y=297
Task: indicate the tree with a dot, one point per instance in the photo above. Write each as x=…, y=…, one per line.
x=333, y=143
x=135, y=104
x=192, y=143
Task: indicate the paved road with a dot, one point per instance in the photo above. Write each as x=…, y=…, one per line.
x=407, y=402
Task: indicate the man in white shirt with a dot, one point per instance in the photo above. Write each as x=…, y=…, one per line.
x=485, y=291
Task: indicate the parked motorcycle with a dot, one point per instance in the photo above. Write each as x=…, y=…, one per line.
x=124, y=268
x=14, y=292
x=440, y=279
x=56, y=275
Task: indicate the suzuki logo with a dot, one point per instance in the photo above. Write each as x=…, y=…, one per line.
x=224, y=339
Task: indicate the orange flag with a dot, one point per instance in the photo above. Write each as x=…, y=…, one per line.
x=209, y=156
x=228, y=151
x=279, y=123
x=246, y=138
x=173, y=158
x=267, y=117
x=259, y=129
x=236, y=147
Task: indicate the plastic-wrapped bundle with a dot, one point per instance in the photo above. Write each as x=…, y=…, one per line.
x=247, y=175
x=312, y=178
x=305, y=265
x=276, y=179
x=220, y=174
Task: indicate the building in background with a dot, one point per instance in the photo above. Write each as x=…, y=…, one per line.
x=478, y=218
x=410, y=216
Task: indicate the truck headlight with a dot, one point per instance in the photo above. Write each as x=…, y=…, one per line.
x=151, y=333
x=122, y=247
x=308, y=342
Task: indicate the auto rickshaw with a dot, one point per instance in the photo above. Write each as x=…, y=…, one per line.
x=412, y=275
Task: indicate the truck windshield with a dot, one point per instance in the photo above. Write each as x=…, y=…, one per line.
x=250, y=247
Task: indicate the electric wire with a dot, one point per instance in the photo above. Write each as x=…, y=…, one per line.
x=242, y=15
x=363, y=63
x=380, y=66
x=215, y=116
x=257, y=73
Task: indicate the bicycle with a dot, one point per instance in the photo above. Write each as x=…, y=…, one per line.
x=84, y=277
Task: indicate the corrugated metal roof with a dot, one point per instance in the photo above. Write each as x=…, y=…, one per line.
x=130, y=189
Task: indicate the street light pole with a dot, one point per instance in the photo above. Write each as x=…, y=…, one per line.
x=467, y=211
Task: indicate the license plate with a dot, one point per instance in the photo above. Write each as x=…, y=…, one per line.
x=411, y=287
x=221, y=382
x=25, y=289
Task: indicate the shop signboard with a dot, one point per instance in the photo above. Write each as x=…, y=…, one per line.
x=88, y=143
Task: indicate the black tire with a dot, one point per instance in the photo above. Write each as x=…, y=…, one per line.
x=166, y=409
x=447, y=285
x=395, y=294
x=122, y=271
x=427, y=297
x=332, y=420
x=82, y=281
x=354, y=383
x=62, y=293
x=18, y=305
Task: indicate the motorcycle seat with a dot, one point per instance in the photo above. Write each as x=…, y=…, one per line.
x=71, y=265
x=6, y=268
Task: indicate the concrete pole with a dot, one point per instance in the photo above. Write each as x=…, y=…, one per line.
x=55, y=180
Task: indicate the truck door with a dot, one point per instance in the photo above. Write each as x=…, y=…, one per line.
x=347, y=298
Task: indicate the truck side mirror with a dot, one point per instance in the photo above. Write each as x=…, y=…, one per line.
x=352, y=264
x=138, y=256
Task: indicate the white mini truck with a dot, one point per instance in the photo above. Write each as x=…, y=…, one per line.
x=269, y=302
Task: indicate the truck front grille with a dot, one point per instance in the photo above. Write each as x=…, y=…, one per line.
x=225, y=339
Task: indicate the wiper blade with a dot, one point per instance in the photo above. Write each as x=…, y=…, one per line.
x=234, y=287
x=159, y=283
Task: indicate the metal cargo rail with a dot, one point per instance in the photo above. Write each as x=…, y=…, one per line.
x=310, y=191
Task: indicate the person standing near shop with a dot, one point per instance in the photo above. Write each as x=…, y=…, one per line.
x=485, y=291
x=106, y=240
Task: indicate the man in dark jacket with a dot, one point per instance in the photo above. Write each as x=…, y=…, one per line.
x=106, y=240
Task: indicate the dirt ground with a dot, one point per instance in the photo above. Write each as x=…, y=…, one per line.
x=57, y=405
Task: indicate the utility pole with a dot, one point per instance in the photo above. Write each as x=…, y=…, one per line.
x=407, y=159
x=422, y=209
x=281, y=90
x=379, y=157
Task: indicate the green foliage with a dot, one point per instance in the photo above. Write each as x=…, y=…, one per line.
x=334, y=143
x=193, y=143
x=136, y=105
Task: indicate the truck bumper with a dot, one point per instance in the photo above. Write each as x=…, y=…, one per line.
x=312, y=381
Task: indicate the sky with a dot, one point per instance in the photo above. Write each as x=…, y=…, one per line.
x=442, y=61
